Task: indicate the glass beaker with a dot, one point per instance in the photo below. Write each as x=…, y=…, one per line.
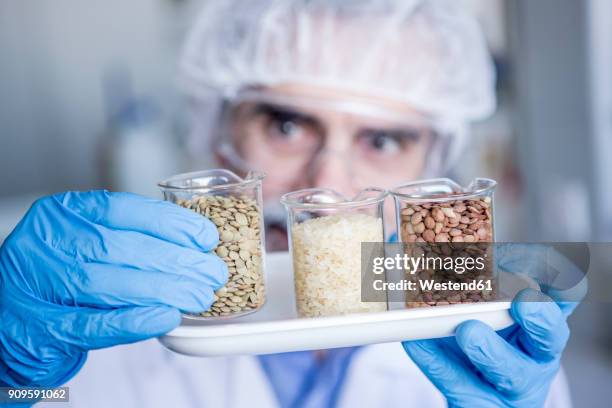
x=440, y=221
x=234, y=205
x=326, y=231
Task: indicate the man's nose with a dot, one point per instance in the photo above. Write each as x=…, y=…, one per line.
x=331, y=170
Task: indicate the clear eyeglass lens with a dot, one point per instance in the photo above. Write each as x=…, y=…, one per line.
x=285, y=140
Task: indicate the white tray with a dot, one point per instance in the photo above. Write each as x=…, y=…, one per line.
x=276, y=328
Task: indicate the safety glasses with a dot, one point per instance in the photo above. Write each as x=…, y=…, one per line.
x=300, y=141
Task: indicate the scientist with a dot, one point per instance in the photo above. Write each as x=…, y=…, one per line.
x=333, y=93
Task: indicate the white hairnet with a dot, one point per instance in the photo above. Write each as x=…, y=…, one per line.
x=429, y=54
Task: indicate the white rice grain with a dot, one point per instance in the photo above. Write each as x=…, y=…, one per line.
x=327, y=264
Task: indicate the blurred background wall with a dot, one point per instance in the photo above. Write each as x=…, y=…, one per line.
x=88, y=99
x=74, y=77
x=55, y=59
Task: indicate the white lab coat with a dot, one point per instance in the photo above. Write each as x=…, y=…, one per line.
x=148, y=375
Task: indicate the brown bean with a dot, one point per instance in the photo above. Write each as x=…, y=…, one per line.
x=429, y=235
x=438, y=215
x=407, y=211
x=454, y=232
x=416, y=218
x=442, y=237
x=430, y=223
x=482, y=233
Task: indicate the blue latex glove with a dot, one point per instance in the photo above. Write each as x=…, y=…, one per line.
x=83, y=271
x=513, y=368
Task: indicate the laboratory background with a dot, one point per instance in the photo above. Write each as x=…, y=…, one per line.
x=89, y=99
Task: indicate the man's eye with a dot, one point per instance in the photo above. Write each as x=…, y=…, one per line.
x=286, y=126
x=383, y=142
x=387, y=142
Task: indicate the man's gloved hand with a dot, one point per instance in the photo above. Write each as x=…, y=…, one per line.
x=511, y=368
x=83, y=271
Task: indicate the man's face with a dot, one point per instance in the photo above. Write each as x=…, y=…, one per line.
x=302, y=137
x=301, y=145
